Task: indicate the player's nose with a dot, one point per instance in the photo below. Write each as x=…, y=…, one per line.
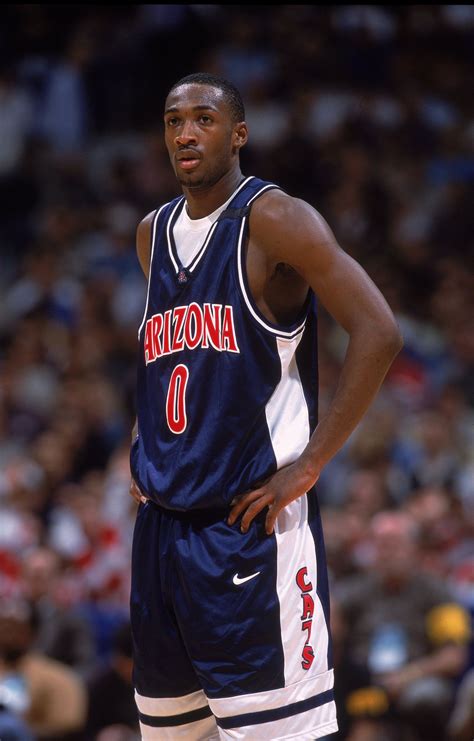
x=186, y=135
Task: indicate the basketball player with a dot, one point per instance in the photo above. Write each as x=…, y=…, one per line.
x=229, y=598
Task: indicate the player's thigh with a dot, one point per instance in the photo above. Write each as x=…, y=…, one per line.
x=169, y=698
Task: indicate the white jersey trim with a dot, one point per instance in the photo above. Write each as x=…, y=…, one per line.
x=201, y=252
x=248, y=300
x=168, y=234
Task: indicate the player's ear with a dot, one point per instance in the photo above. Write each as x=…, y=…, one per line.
x=240, y=135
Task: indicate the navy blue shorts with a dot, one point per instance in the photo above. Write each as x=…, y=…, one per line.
x=230, y=630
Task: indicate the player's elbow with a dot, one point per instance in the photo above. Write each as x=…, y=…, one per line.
x=387, y=339
x=394, y=338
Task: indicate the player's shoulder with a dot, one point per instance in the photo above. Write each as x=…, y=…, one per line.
x=274, y=201
x=277, y=216
x=275, y=206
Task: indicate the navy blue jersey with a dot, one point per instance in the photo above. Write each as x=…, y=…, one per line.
x=224, y=397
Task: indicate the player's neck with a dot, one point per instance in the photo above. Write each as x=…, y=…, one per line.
x=202, y=202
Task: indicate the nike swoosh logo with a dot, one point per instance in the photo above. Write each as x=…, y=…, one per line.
x=238, y=580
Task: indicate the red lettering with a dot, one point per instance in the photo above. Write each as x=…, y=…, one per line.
x=178, y=320
x=176, y=401
x=308, y=606
x=228, y=332
x=212, y=322
x=307, y=625
x=167, y=333
x=148, y=344
x=194, y=316
x=308, y=657
x=307, y=616
x=300, y=580
x=157, y=327
x=190, y=326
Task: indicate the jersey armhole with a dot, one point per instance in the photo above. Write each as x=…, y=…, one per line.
x=283, y=331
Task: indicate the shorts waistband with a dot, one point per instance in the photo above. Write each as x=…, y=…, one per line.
x=195, y=516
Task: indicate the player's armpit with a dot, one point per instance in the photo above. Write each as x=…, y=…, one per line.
x=291, y=231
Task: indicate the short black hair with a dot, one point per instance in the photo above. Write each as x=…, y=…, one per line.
x=230, y=92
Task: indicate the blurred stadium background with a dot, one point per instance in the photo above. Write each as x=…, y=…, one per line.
x=367, y=112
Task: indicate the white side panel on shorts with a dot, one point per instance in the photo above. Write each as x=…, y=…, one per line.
x=288, y=424
x=296, y=550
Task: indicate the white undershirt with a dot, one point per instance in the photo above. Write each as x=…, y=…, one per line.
x=190, y=234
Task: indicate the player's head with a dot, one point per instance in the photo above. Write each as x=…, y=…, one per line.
x=229, y=92
x=204, y=128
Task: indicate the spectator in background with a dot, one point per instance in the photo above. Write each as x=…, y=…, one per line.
x=16, y=117
x=406, y=628
x=96, y=552
x=243, y=57
x=441, y=528
x=461, y=722
x=60, y=632
x=49, y=697
x=110, y=691
x=436, y=459
x=361, y=706
x=12, y=727
x=62, y=117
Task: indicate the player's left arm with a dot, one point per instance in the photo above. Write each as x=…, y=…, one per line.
x=289, y=230
x=143, y=246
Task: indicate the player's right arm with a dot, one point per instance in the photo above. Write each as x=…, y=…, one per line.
x=143, y=244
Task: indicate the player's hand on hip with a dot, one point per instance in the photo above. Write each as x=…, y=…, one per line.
x=283, y=487
x=136, y=493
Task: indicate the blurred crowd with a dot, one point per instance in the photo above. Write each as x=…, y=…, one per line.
x=363, y=111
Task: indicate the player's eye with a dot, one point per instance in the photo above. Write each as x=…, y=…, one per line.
x=204, y=118
x=172, y=121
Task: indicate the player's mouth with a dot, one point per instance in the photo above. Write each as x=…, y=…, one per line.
x=188, y=159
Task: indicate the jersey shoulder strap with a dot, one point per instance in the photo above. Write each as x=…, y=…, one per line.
x=248, y=192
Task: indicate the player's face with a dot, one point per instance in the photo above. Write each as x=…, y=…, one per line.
x=202, y=140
